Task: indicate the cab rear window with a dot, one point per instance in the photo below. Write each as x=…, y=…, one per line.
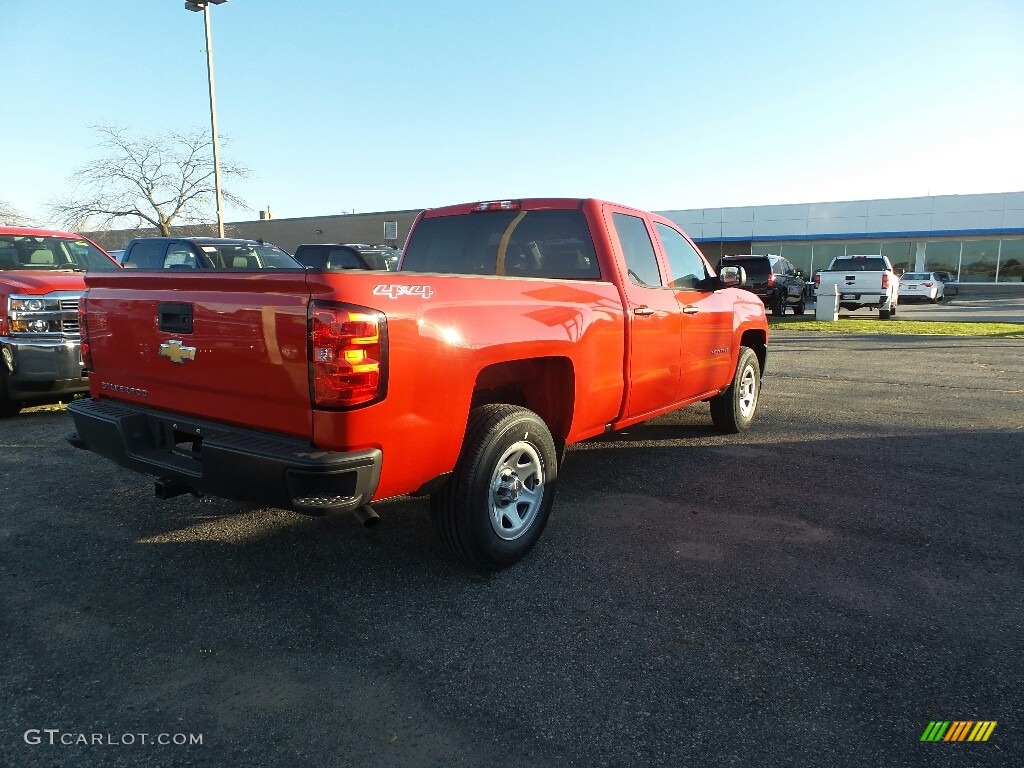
x=551, y=244
x=859, y=265
x=757, y=269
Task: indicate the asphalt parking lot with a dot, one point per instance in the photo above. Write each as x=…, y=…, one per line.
x=813, y=592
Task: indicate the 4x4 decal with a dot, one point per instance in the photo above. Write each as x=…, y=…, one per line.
x=394, y=291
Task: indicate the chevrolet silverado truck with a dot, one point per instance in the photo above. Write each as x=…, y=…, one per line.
x=511, y=330
x=861, y=281
x=41, y=280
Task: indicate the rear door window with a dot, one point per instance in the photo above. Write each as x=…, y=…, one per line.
x=179, y=256
x=637, y=250
x=147, y=254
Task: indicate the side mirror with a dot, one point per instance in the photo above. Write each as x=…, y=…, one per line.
x=733, y=277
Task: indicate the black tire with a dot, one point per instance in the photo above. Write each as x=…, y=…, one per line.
x=8, y=407
x=884, y=314
x=935, y=300
x=779, y=308
x=800, y=308
x=734, y=410
x=473, y=514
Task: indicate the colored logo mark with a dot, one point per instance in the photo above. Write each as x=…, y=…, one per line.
x=958, y=730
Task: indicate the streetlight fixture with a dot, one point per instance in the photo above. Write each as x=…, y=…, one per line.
x=204, y=6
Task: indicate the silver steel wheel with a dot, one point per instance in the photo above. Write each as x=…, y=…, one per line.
x=517, y=489
x=748, y=392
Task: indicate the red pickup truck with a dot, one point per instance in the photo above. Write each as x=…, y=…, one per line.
x=41, y=280
x=511, y=329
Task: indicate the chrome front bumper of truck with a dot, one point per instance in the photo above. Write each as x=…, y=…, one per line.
x=42, y=368
x=188, y=455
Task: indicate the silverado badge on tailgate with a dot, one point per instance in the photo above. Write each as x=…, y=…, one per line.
x=177, y=353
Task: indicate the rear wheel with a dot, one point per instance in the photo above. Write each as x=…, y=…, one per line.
x=801, y=307
x=780, y=305
x=733, y=410
x=496, y=503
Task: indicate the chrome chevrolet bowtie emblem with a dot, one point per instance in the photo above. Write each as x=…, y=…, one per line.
x=176, y=352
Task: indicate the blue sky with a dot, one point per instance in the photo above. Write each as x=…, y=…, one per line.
x=381, y=105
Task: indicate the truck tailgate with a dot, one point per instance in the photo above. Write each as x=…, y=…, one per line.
x=860, y=282
x=231, y=347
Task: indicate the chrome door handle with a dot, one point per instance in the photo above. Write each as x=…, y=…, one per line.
x=643, y=311
x=690, y=310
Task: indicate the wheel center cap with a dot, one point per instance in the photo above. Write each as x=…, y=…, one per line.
x=509, y=487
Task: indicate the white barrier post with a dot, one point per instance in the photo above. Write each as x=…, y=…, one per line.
x=826, y=304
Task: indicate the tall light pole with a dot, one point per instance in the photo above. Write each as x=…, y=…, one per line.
x=204, y=6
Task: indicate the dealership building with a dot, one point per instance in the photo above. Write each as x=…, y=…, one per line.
x=976, y=238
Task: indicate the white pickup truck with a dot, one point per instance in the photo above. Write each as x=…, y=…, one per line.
x=861, y=281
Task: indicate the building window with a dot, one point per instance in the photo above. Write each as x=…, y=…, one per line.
x=902, y=255
x=978, y=261
x=863, y=249
x=1011, y=261
x=943, y=256
x=825, y=252
x=799, y=255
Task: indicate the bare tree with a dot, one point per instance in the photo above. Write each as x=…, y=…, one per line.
x=12, y=217
x=161, y=181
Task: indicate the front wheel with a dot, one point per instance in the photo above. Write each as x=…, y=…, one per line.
x=496, y=503
x=733, y=410
x=8, y=407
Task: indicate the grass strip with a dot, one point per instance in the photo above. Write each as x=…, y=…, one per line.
x=897, y=327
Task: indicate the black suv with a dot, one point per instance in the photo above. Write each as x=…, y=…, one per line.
x=773, y=279
x=342, y=256
x=205, y=253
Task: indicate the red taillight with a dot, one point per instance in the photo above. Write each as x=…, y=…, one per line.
x=817, y=281
x=497, y=205
x=928, y=285
x=885, y=280
x=83, y=333
x=347, y=355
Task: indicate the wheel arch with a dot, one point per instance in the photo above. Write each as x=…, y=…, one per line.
x=757, y=340
x=545, y=385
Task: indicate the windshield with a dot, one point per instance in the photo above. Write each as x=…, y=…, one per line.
x=34, y=253
x=552, y=244
x=854, y=264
